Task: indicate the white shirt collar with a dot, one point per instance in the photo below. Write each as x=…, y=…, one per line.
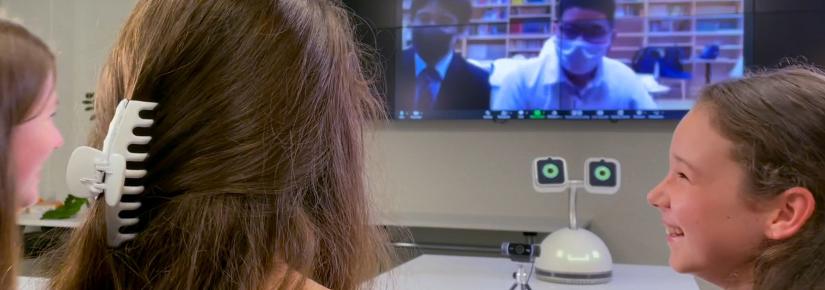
x=441, y=66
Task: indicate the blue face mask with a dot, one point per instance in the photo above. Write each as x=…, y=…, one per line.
x=580, y=57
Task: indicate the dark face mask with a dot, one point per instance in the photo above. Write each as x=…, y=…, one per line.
x=431, y=43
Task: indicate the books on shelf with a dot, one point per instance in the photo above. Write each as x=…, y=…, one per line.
x=529, y=2
x=490, y=2
x=530, y=26
x=488, y=29
x=717, y=24
x=504, y=28
x=629, y=10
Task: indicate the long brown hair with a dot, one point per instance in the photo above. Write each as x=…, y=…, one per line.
x=255, y=169
x=25, y=65
x=776, y=121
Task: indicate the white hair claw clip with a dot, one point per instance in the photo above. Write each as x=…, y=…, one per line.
x=91, y=172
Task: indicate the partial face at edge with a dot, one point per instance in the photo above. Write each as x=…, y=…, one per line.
x=32, y=142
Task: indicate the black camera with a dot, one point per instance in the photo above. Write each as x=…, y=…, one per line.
x=517, y=252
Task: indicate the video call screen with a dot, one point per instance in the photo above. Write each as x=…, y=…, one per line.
x=562, y=59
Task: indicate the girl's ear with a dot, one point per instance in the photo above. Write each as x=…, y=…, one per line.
x=789, y=213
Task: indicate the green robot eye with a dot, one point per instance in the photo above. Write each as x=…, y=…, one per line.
x=603, y=173
x=550, y=170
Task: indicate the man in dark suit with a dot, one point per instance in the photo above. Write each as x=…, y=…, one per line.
x=433, y=77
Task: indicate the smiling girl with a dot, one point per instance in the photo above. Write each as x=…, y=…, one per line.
x=739, y=202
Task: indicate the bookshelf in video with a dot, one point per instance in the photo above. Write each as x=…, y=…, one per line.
x=674, y=46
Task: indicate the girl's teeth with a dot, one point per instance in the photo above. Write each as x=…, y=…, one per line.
x=673, y=231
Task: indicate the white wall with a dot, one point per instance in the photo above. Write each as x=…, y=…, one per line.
x=482, y=168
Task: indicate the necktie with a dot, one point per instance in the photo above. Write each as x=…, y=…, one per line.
x=427, y=86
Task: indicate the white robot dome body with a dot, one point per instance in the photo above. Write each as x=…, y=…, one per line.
x=574, y=254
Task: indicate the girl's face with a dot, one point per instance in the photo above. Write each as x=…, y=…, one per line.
x=711, y=230
x=32, y=142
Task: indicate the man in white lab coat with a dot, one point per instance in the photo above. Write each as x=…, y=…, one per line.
x=572, y=72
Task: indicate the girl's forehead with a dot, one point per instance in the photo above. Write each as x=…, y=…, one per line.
x=698, y=142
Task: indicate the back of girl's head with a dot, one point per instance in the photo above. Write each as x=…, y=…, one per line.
x=25, y=64
x=255, y=165
x=775, y=121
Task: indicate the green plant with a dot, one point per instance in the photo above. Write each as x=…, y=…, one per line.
x=71, y=206
x=89, y=104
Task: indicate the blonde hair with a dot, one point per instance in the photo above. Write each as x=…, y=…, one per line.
x=256, y=164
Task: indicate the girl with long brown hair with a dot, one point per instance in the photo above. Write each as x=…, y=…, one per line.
x=744, y=200
x=28, y=134
x=255, y=170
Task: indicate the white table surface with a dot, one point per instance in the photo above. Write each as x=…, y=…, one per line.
x=32, y=219
x=35, y=221
x=437, y=272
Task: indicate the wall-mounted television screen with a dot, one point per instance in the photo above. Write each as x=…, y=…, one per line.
x=559, y=59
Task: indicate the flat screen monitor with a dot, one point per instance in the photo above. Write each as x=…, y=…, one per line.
x=557, y=59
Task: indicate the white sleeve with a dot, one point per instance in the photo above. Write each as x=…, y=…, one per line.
x=639, y=94
x=644, y=101
x=510, y=94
